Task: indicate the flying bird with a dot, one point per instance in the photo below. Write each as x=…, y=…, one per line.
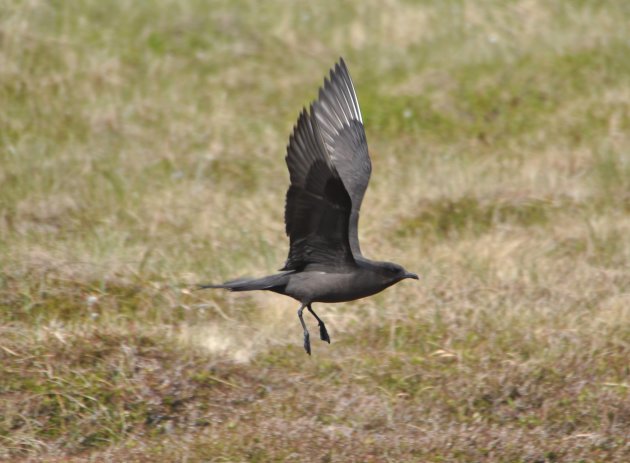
x=329, y=167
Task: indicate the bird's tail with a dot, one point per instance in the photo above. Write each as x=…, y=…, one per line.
x=271, y=282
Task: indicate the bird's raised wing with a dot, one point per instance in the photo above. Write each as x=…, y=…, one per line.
x=339, y=120
x=318, y=207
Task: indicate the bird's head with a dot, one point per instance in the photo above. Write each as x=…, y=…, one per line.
x=395, y=272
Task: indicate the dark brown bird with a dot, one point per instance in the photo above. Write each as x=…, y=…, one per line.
x=330, y=168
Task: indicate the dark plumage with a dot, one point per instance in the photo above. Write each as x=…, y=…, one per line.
x=330, y=168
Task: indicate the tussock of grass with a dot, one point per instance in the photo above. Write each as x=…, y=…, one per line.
x=452, y=218
x=142, y=151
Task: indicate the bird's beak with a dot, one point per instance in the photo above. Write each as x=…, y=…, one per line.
x=411, y=275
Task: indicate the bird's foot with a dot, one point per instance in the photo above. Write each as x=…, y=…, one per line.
x=307, y=343
x=323, y=333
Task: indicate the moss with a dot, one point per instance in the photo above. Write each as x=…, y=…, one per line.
x=470, y=216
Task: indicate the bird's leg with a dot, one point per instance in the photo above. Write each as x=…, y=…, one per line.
x=307, y=342
x=323, y=332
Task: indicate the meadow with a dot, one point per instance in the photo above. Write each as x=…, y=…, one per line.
x=142, y=151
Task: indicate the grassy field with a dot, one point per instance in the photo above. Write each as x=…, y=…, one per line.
x=142, y=151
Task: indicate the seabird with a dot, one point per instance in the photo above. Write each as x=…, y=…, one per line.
x=329, y=168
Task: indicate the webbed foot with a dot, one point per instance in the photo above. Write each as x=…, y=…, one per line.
x=307, y=343
x=323, y=333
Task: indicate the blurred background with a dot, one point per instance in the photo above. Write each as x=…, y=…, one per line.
x=142, y=151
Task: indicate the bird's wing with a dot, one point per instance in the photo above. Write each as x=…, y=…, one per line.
x=339, y=119
x=317, y=209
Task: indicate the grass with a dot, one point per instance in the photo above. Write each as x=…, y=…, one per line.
x=142, y=149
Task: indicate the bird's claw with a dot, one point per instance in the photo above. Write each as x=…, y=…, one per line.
x=323, y=333
x=307, y=343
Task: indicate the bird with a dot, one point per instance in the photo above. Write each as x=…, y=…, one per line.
x=329, y=169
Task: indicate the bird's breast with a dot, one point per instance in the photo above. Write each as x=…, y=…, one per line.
x=331, y=287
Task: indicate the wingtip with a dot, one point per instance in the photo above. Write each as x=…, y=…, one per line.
x=303, y=115
x=341, y=66
x=337, y=69
x=327, y=83
x=312, y=109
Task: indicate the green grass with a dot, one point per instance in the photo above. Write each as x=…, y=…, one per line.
x=142, y=151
